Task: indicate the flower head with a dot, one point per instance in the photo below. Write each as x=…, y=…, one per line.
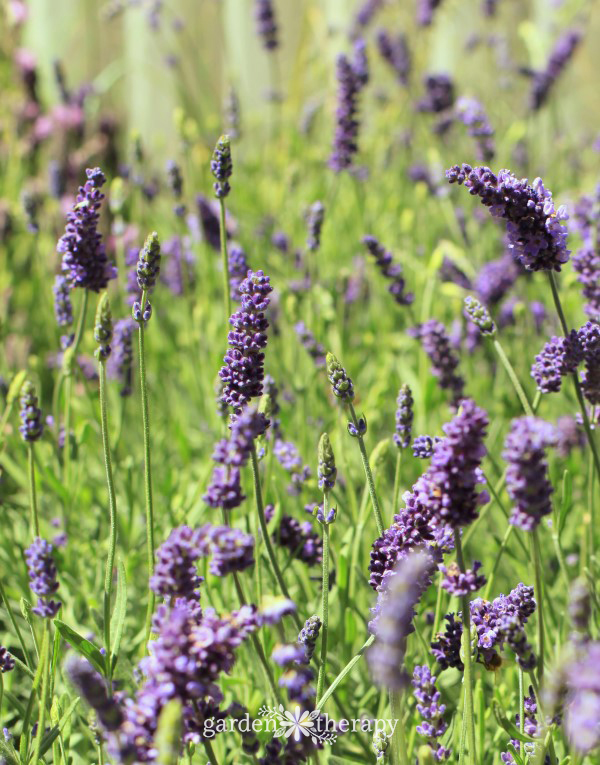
x=42, y=577
x=404, y=417
x=341, y=384
x=221, y=167
x=103, y=328
x=327, y=470
x=32, y=427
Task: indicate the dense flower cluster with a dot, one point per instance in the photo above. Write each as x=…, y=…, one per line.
x=175, y=570
x=297, y=677
x=6, y=661
x=495, y=278
x=231, y=550
x=308, y=636
x=479, y=315
x=439, y=94
x=345, y=141
x=459, y=584
x=84, y=260
x=365, y=13
x=42, y=577
x=536, y=231
x=266, y=25
x=300, y=539
x=92, y=687
x=436, y=344
x=221, y=167
x=341, y=384
x=327, y=470
x=423, y=446
x=238, y=270
x=587, y=265
x=148, y=265
x=391, y=270
x=558, y=358
x=559, y=58
x=589, y=336
x=394, y=50
x=404, y=417
x=527, y=480
x=243, y=372
x=428, y=698
x=32, y=426
x=530, y=726
x=120, y=362
x=426, y=10
x=471, y=113
x=446, y=647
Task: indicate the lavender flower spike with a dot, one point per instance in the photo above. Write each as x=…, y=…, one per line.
x=148, y=265
x=404, y=417
x=120, y=362
x=345, y=142
x=589, y=336
x=559, y=58
x=42, y=577
x=6, y=661
x=527, y=480
x=91, y=685
x=266, y=26
x=536, y=232
x=222, y=167
x=327, y=470
x=459, y=584
x=395, y=52
x=558, y=358
x=436, y=344
x=341, y=384
x=428, y=698
x=391, y=270
x=84, y=260
x=479, y=315
x=103, y=328
x=32, y=426
x=471, y=114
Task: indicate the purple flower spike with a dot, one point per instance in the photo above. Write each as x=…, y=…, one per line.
x=91, y=685
x=428, y=698
x=423, y=446
x=314, y=349
x=84, y=260
x=243, y=371
x=175, y=572
x=120, y=362
x=439, y=94
x=557, y=359
x=559, y=58
x=32, y=427
x=535, y=229
x=587, y=265
x=589, y=336
x=221, y=167
x=345, y=142
x=6, y=661
x=437, y=346
x=266, y=26
x=42, y=577
x=391, y=270
x=527, y=480
x=446, y=648
x=404, y=417
x=583, y=702
x=231, y=550
x=394, y=50
x=471, y=113
x=459, y=584
x=314, y=222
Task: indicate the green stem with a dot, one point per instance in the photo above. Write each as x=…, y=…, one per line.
x=346, y=670
x=325, y=599
x=225, y=259
x=147, y=467
x=112, y=504
x=212, y=757
x=513, y=378
x=72, y=355
x=260, y=509
x=396, y=493
x=45, y=659
x=535, y=543
x=368, y=473
x=521, y=709
x=35, y=523
x=399, y=748
x=586, y=420
x=16, y=628
x=466, y=638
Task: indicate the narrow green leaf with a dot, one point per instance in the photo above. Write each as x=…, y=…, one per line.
x=81, y=645
x=8, y=753
x=509, y=726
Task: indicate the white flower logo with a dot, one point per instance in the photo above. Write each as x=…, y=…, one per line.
x=297, y=724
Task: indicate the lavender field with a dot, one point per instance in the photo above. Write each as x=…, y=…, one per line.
x=300, y=382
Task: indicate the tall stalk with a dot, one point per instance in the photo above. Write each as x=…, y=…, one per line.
x=225, y=260
x=68, y=370
x=324, y=599
x=466, y=640
x=368, y=473
x=399, y=748
x=537, y=564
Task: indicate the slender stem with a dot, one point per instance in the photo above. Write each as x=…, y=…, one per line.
x=397, y=473
x=521, y=709
x=72, y=351
x=346, y=670
x=368, y=473
x=265, y=533
x=112, y=505
x=324, y=599
x=513, y=378
x=16, y=628
x=147, y=467
x=225, y=259
x=586, y=420
x=466, y=637
x=45, y=658
x=35, y=523
x=212, y=758
x=399, y=749
x=535, y=543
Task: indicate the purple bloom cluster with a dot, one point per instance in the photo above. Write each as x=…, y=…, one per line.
x=208, y=213
x=288, y=456
x=225, y=489
x=558, y=358
x=535, y=228
x=238, y=269
x=120, y=363
x=495, y=278
x=393, y=616
x=341, y=384
x=345, y=141
x=583, y=701
x=423, y=446
x=42, y=577
x=527, y=480
x=439, y=94
x=266, y=26
x=477, y=313
x=426, y=10
x=314, y=349
x=221, y=167
x=32, y=426
x=366, y=12
x=92, y=687
x=391, y=270
x=308, y=636
x=243, y=371
x=298, y=677
x=404, y=417
x=84, y=260
x=175, y=571
x=559, y=58
x=231, y=550
x=459, y=584
x=471, y=113
x=315, y=216
x=300, y=539
x=394, y=50
x=436, y=344
x=589, y=336
x=6, y=661
x=447, y=645
x=530, y=727
x=428, y=698
x=587, y=265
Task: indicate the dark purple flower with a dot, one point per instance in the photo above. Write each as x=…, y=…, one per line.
x=120, y=363
x=314, y=349
x=6, y=661
x=221, y=167
x=315, y=216
x=243, y=372
x=42, y=577
x=428, y=698
x=91, y=685
x=459, y=584
x=535, y=228
x=63, y=308
x=394, y=50
x=345, y=142
x=266, y=25
x=341, y=384
x=148, y=265
x=238, y=269
x=308, y=636
x=175, y=571
x=366, y=11
x=32, y=426
x=439, y=94
x=559, y=58
x=208, y=213
x=393, y=616
x=450, y=272
x=558, y=358
x=589, y=337
x=300, y=539
x=280, y=241
x=327, y=470
x=587, y=265
x=404, y=417
x=436, y=344
x=391, y=270
x=583, y=702
x=230, y=549
x=495, y=279
x=84, y=260
x=527, y=480
x=423, y=446
x=426, y=10
x=471, y=113
x=447, y=645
